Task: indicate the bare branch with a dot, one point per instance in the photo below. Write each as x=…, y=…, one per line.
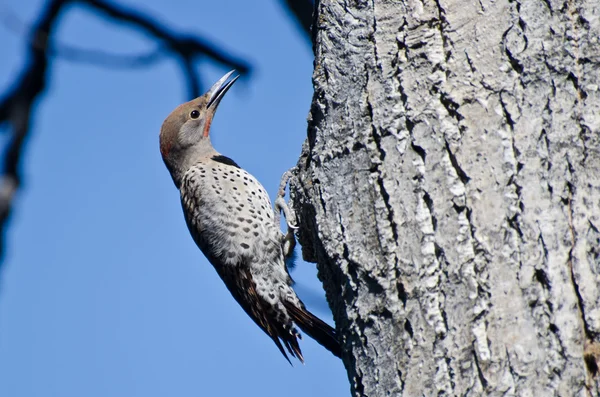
x=106, y=59
x=186, y=47
x=193, y=83
x=16, y=105
x=15, y=108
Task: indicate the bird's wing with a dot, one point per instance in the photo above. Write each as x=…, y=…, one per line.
x=243, y=288
x=229, y=215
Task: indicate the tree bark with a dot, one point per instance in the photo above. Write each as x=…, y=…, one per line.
x=449, y=191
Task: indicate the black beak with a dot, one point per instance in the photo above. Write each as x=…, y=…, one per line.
x=218, y=90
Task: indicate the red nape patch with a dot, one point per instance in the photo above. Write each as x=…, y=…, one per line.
x=165, y=148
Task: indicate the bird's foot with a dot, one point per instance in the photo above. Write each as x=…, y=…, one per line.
x=289, y=240
x=281, y=205
x=288, y=245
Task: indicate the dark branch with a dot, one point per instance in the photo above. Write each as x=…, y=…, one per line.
x=17, y=104
x=186, y=47
x=193, y=84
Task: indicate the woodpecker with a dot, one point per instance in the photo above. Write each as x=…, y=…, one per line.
x=231, y=220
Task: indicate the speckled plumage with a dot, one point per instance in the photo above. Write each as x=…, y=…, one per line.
x=231, y=219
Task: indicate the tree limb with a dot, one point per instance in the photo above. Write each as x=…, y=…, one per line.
x=15, y=108
x=17, y=104
x=186, y=47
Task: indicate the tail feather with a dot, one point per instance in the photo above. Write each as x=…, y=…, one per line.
x=289, y=340
x=241, y=285
x=315, y=328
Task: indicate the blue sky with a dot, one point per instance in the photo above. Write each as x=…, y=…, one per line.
x=103, y=292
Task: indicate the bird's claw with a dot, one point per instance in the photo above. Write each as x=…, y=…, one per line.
x=281, y=205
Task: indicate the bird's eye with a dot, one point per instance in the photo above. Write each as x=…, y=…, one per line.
x=195, y=114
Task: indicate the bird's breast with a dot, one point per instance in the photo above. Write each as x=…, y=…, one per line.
x=229, y=213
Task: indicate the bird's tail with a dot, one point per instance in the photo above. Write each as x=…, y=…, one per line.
x=315, y=328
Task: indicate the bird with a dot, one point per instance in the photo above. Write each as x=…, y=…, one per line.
x=231, y=220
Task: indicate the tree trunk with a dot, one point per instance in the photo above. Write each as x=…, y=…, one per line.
x=449, y=190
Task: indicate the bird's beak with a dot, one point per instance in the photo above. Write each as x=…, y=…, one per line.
x=215, y=94
x=218, y=90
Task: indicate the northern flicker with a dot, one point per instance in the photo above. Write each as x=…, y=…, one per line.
x=230, y=217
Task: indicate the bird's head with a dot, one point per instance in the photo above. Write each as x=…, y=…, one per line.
x=184, y=135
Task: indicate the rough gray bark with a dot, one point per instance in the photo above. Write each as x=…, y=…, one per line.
x=449, y=190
